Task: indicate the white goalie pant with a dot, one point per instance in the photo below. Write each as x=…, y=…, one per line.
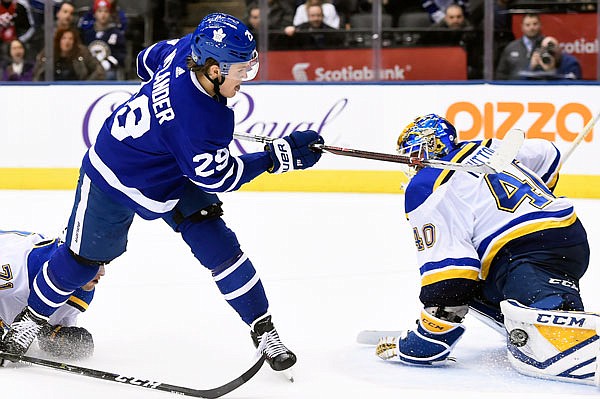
x=552, y=344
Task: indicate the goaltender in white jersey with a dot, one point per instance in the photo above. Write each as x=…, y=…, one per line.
x=22, y=255
x=501, y=245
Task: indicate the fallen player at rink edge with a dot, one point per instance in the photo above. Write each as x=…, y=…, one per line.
x=22, y=256
x=501, y=245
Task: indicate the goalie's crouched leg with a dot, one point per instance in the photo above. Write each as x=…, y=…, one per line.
x=552, y=344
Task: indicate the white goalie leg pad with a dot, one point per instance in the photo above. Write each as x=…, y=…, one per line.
x=552, y=344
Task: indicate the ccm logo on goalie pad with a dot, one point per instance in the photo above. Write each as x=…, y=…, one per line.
x=560, y=320
x=135, y=381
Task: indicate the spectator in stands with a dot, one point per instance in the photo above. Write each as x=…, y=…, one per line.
x=117, y=16
x=318, y=35
x=72, y=60
x=64, y=17
x=281, y=16
x=17, y=69
x=253, y=20
x=517, y=54
x=105, y=41
x=437, y=8
x=454, y=18
x=456, y=30
x=279, y=19
x=330, y=15
x=550, y=63
x=16, y=22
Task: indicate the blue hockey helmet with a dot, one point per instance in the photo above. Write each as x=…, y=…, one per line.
x=428, y=137
x=229, y=42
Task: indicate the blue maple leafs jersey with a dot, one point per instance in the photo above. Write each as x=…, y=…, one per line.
x=169, y=132
x=462, y=220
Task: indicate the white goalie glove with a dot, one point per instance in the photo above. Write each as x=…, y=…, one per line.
x=387, y=347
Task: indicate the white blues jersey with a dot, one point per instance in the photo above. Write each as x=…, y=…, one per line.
x=167, y=133
x=22, y=255
x=461, y=220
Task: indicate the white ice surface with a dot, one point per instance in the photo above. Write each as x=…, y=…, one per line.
x=332, y=265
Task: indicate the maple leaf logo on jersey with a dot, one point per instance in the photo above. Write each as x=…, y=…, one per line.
x=218, y=35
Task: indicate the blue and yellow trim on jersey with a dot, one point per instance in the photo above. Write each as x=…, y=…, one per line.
x=424, y=183
x=81, y=299
x=520, y=227
x=551, y=176
x=449, y=268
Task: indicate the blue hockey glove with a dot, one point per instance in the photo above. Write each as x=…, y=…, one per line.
x=293, y=152
x=429, y=345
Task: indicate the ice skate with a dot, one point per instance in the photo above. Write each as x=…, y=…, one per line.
x=279, y=357
x=22, y=332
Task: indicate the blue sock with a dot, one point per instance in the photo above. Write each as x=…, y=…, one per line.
x=56, y=281
x=218, y=249
x=241, y=287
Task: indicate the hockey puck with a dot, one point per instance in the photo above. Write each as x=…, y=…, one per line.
x=518, y=337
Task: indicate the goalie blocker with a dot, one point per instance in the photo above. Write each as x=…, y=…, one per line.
x=552, y=344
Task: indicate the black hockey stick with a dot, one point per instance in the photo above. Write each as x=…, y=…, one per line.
x=140, y=382
x=497, y=161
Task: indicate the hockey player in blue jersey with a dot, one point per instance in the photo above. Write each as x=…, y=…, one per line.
x=22, y=256
x=164, y=154
x=500, y=245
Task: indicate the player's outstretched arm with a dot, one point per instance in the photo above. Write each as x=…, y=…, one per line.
x=293, y=152
x=431, y=343
x=66, y=342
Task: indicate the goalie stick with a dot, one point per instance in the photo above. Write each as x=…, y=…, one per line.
x=141, y=382
x=586, y=130
x=497, y=162
x=371, y=337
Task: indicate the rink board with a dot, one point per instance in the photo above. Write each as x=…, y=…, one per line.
x=47, y=128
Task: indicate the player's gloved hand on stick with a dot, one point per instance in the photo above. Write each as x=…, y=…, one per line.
x=429, y=345
x=66, y=342
x=294, y=152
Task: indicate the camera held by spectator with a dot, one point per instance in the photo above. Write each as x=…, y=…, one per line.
x=548, y=53
x=546, y=56
x=549, y=62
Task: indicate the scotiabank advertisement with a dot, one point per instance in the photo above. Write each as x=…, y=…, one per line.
x=398, y=64
x=576, y=33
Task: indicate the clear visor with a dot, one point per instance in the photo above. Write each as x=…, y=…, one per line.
x=243, y=71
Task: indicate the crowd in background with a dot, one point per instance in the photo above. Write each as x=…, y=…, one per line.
x=95, y=42
x=86, y=46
